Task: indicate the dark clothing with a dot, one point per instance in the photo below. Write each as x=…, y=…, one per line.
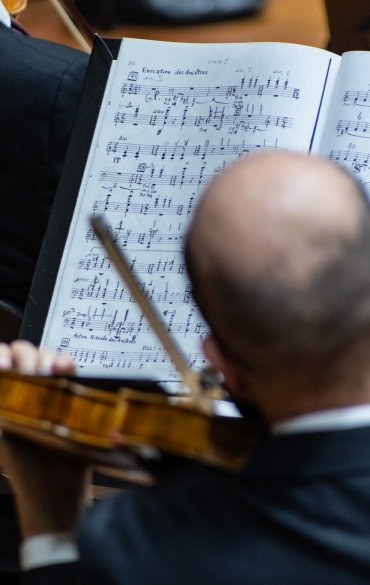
x=298, y=514
x=40, y=84
x=9, y=541
x=18, y=27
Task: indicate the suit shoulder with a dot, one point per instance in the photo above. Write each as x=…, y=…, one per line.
x=21, y=45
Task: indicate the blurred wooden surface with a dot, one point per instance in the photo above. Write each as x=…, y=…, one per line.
x=350, y=25
x=291, y=21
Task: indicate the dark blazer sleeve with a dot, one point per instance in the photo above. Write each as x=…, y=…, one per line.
x=65, y=574
x=40, y=84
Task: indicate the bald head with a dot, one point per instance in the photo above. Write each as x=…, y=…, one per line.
x=278, y=253
x=276, y=214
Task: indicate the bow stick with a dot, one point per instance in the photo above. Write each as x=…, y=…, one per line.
x=190, y=378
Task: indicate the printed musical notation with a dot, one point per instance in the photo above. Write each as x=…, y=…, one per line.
x=353, y=128
x=159, y=179
x=359, y=160
x=357, y=98
x=214, y=117
x=157, y=145
x=126, y=359
x=152, y=239
x=251, y=87
x=156, y=208
x=346, y=138
x=130, y=330
x=161, y=266
x=181, y=151
x=121, y=293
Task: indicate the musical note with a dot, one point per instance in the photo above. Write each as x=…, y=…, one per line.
x=120, y=293
x=143, y=208
x=124, y=359
x=184, y=93
x=359, y=160
x=179, y=151
x=214, y=117
x=157, y=179
x=354, y=128
x=150, y=239
x=132, y=329
x=157, y=145
x=160, y=266
x=357, y=98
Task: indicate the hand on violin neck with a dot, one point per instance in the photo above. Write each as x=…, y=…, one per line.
x=25, y=358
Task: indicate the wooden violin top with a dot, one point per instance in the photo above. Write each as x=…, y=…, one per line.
x=90, y=422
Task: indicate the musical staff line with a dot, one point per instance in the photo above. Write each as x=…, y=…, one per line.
x=253, y=87
x=353, y=128
x=131, y=328
x=158, y=179
x=359, y=160
x=173, y=151
x=160, y=266
x=357, y=98
x=121, y=294
x=148, y=239
x=124, y=359
x=217, y=118
x=167, y=208
x=159, y=142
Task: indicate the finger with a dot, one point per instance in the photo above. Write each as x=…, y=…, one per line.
x=28, y=359
x=6, y=360
x=24, y=357
x=45, y=362
x=63, y=365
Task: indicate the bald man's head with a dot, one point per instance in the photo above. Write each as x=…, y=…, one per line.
x=279, y=256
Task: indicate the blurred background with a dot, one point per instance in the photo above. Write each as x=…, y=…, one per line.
x=292, y=21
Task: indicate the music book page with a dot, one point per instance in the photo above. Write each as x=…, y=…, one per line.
x=173, y=117
x=346, y=139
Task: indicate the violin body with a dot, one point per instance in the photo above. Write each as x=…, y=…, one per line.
x=81, y=421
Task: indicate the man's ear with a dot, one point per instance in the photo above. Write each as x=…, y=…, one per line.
x=234, y=380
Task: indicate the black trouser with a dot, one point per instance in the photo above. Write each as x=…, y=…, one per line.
x=9, y=541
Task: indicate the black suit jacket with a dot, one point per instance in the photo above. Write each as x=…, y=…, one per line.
x=299, y=514
x=40, y=85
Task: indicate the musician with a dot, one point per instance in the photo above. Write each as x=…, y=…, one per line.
x=40, y=85
x=278, y=254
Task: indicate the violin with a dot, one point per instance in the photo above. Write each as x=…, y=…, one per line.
x=87, y=423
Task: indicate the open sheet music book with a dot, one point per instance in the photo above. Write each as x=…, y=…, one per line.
x=173, y=115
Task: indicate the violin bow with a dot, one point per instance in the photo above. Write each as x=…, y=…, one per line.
x=190, y=378
x=75, y=22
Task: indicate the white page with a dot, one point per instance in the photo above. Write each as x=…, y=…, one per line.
x=346, y=139
x=176, y=115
